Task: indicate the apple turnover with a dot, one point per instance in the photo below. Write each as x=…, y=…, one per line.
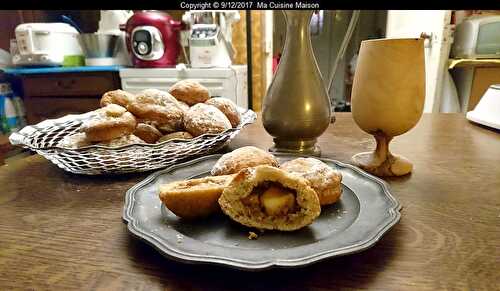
x=194, y=198
x=325, y=181
x=266, y=197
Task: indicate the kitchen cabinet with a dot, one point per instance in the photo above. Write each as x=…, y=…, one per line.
x=53, y=95
x=472, y=78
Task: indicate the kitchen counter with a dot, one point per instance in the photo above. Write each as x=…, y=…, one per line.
x=64, y=231
x=54, y=70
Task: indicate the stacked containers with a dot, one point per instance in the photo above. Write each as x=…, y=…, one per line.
x=12, y=113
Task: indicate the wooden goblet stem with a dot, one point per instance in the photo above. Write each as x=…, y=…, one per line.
x=381, y=162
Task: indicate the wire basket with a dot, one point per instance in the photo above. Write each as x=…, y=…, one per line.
x=98, y=159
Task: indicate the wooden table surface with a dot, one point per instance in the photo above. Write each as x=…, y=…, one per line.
x=64, y=231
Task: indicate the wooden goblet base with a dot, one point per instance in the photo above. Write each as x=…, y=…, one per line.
x=381, y=162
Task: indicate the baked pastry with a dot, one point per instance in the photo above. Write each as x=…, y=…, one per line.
x=121, y=141
x=194, y=198
x=110, y=122
x=173, y=135
x=325, y=181
x=242, y=158
x=147, y=132
x=227, y=107
x=167, y=128
x=118, y=97
x=202, y=118
x=184, y=106
x=159, y=95
x=158, y=106
x=266, y=197
x=190, y=92
x=74, y=141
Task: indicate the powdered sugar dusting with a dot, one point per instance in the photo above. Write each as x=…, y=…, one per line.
x=202, y=118
x=318, y=173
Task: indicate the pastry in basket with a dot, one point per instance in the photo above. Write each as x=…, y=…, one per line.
x=168, y=128
x=227, y=107
x=157, y=106
x=118, y=97
x=266, y=197
x=147, y=132
x=202, y=118
x=194, y=198
x=174, y=135
x=110, y=122
x=242, y=158
x=325, y=181
x=184, y=106
x=190, y=92
x=74, y=141
x=121, y=141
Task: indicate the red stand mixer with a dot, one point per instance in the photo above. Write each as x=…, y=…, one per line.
x=152, y=39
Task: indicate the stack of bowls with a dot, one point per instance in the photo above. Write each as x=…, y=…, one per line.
x=99, y=48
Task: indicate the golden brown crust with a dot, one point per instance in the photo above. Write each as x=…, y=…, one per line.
x=118, y=97
x=232, y=200
x=194, y=198
x=168, y=128
x=242, y=158
x=147, y=132
x=184, y=106
x=202, y=118
x=121, y=141
x=110, y=122
x=325, y=181
x=190, y=92
x=157, y=106
x=228, y=108
x=173, y=135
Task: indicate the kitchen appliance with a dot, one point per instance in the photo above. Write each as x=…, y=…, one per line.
x=152, y=39
x=210, y=37
x=477, y=37
x=229, y=82
x=99, y=48
x=45, y=44
x=487, y=111
x=110, y=24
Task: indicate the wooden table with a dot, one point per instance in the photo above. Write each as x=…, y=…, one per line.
x=63, y=231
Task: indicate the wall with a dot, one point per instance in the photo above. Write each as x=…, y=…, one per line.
x=371, y=24
x=9, y=19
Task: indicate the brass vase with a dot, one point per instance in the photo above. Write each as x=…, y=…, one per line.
x=296, y=109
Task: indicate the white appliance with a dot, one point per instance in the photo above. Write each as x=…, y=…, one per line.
x=110, y=24
x=487, y=111
x=45, y=44
x=207, y=48
x=5, y=59
x=210, y=38
x=477, y=37
x=226, y=82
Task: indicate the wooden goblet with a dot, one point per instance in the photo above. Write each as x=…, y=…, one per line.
x=388, y=99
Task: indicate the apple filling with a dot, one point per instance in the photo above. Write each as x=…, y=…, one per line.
x=272, y=198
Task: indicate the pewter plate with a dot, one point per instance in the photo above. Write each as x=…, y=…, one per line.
x=364, y=213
